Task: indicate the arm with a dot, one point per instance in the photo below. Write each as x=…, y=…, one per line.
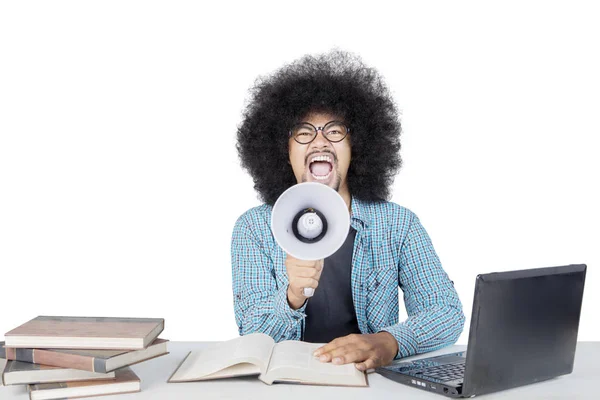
x=260, y=305
x=435, y=316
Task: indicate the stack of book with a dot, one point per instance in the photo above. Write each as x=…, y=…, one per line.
x=66, y=357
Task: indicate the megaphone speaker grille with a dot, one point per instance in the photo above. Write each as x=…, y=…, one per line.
x=309, y=225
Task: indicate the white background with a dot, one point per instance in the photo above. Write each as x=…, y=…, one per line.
x=120, y=183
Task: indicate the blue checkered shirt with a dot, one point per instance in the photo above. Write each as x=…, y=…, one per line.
x=391, y=250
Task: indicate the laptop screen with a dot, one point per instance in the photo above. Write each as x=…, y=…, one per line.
x=523, y=327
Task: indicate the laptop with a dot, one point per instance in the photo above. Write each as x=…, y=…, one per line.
x=523, y=330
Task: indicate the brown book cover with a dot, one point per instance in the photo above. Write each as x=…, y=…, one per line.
x=18, y=373
x=126, y=381
x=85, y=333
x=83, y=359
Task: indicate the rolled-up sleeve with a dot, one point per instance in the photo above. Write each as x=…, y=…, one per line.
x=435, y=314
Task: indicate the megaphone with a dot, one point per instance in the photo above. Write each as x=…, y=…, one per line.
x=310, y=221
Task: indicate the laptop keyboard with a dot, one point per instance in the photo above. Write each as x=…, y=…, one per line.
x=446, y=372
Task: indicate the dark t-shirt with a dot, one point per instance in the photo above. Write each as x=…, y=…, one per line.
x=330, y=312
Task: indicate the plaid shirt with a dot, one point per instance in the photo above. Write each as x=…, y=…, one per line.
x=391, y=250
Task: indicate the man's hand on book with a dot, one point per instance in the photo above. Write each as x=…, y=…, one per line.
x=301, y=274
x=367, y=351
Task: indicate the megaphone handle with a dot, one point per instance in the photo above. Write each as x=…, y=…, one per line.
x=308, y=292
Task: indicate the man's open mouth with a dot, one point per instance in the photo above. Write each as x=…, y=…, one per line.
x=320, y=167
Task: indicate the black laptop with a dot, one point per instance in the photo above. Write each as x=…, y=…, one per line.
x=523, y=330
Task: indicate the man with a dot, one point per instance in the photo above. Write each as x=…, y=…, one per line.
x=330, y=119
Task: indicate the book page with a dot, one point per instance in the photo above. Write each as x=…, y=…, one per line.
x=294, y=361
x=241, y=369
x=254, y=349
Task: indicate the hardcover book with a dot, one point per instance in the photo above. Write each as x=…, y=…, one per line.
x=87, y=360
x=258, y=354
x=85, y=333
x=126, y=381
x=19, y=373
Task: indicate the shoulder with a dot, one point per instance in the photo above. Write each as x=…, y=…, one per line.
x=256, y=221
x=387, y=214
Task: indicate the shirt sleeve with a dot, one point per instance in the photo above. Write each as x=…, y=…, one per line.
x=435, y=314
x=259, y=304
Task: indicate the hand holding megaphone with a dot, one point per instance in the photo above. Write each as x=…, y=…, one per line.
x=303, y=277
x=310, y=221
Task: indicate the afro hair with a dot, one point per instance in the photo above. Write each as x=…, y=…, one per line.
x=338, y=83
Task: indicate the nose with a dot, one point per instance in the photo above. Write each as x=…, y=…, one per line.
x=320, y=141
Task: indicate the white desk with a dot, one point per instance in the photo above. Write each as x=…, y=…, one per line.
x=581, y=384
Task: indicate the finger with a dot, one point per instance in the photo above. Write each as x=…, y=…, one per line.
x=335, y=343
x=329, y=346
x=312, y=272
x=302, y=263
x=369, y=363
x=292, y=267
x=307, y=272
x=351, y=354
x=337, y=355
x=302, y=283
x=298, y=284
x=319, y=266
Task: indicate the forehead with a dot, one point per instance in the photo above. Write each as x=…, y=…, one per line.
x=320, y=118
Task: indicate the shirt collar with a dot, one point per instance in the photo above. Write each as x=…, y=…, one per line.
x=360, y=213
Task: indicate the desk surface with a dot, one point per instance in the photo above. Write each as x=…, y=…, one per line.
x=581, y=384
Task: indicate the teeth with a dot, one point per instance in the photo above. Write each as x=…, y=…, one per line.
x=321, y=158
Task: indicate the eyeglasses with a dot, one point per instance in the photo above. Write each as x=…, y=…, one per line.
x=304, y=132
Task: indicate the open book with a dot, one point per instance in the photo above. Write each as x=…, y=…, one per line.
x=258, y=354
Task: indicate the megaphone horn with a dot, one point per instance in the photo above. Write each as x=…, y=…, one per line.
x=310, y=221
